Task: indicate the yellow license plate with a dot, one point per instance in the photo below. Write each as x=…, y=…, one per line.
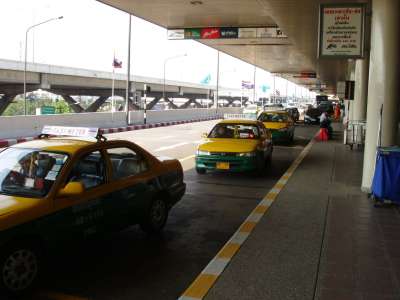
x=223, y=165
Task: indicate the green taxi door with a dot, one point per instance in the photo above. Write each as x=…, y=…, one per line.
x=79, y=203
x=132, y=187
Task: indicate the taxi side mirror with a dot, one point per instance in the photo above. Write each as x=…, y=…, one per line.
x=204, y=135
x=72, y=188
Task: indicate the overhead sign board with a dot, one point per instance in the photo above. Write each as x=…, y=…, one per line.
x=341, y=89
x=192, y=33
x=341, y=30
x=229, y=33
x=210, y=33
x=305, y=75
x=270, y=32
x=246, y=33
x=225, y=33
x=176, y=34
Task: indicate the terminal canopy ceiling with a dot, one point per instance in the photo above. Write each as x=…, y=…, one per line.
x=289, y=57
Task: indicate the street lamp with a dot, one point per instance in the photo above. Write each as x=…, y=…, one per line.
x=165, y=63
x=26, y=52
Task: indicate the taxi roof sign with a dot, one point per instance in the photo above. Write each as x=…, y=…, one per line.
x=70, y=131
x=246, y=116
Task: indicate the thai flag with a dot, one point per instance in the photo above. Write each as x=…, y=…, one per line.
x=117, y=63
x=247, y=85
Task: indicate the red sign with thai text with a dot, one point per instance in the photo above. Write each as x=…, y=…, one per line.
x=210, y=33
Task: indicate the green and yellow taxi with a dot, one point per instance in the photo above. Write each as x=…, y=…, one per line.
x=280, y=123
x=236, y=146
x=56, y=189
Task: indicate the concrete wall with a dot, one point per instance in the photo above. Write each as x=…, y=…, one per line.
x=23, y=126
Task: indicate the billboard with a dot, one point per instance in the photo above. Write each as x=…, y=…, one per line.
x=226, y=33
x=229, y=33
x=341, y=30
x=176, y=34
x=210, y=33
x=192, y=33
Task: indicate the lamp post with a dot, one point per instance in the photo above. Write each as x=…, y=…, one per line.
x=128, y=75
x=165, y=64
x=26, y=52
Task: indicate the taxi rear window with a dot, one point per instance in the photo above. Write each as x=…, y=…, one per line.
x=273, y=117
x=235, y=131
x=29, y=172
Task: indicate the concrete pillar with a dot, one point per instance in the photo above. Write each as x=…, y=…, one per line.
x=73, y=104
x=361, y=89
x=383, y=84
x=96, y=104
x=5, y=101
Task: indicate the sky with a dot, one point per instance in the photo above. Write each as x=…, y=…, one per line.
x=90, y=33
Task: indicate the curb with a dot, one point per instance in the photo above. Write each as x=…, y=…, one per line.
x=204, y=282
x=10, y=142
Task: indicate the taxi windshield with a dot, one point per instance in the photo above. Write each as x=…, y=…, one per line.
x=234, y=131
x=273, y=117
x=29, y=172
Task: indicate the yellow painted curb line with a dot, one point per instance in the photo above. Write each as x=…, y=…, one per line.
x=207, y=278
x=58, y=296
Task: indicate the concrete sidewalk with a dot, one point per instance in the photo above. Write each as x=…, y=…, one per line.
x=321, y=239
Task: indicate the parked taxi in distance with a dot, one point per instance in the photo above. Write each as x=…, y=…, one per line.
x=55, y=189
x=235, y=145
x=280, y=123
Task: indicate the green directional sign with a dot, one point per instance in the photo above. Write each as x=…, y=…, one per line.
x=192, y=33
x=47, y=110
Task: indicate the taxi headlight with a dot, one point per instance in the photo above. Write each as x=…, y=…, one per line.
x=247, y=154
x=201, y=152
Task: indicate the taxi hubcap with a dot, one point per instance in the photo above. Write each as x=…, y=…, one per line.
x=20, y=269
x=158, y=212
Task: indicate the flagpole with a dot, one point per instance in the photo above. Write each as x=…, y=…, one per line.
x=112, y=93
x=128, y=75
x=274, y=93
x=216, y=100
x=254, y=84
x=241, y=98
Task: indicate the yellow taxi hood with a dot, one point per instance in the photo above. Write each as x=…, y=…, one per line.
x=14, y=210
x=229, y=145
x=275, y=125
x=9, y=204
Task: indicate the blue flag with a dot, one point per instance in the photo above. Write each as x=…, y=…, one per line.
x=206, y=79
x=265, y=88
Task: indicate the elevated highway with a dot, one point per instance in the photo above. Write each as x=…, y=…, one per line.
x=68, y=82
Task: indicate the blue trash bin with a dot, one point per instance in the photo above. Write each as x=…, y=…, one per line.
x=386, y=182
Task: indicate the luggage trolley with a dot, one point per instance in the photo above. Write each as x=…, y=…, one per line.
x=354, y=133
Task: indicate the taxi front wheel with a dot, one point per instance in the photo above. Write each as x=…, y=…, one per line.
x=20, y=264
x=156, y=217
x=200, y=171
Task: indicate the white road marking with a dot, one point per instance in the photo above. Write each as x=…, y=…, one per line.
x=166, y=137
x=172, y=146
x=177, y=145
x=186, y=158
